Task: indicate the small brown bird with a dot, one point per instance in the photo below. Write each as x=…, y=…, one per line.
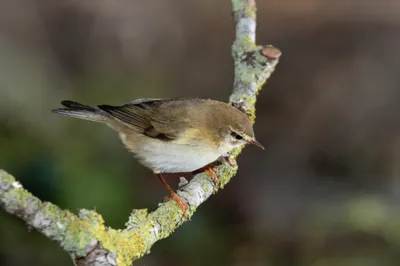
x=172, y=135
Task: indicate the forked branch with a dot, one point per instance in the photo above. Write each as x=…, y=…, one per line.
x=84, y=235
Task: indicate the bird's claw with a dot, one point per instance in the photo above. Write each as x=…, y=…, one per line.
x=229, y=160
x=181, y=204
x=211, y=173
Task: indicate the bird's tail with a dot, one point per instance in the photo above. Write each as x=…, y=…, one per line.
x=74, y=109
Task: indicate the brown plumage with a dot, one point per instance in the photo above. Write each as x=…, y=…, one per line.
x=172, y=135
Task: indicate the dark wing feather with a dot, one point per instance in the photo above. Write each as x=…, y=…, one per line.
x=144, y=116
x=128, y=115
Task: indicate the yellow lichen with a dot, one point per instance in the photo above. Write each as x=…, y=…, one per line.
x=6, y=177
x=251, y=12
x=238, y=5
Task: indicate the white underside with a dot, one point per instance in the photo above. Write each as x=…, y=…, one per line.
x=167, y=157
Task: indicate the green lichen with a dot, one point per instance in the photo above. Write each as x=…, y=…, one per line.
x=127, y=244
x=15, y=200
x=205, y=183
x=6, y=177
x=249, y=65
x=236, y=151
x=243, y=45
x=261, y=59
x=250, y=12
x=79, y=232
x=58, y=225
x=260, y=85
x=250, y=103
x=226, y=175
x=244, y=74
x=82, y=231
x=244, y=6
x=167, y=216
x=136, y=218
x=238, y=5
x=76, y=233
x=247, y=43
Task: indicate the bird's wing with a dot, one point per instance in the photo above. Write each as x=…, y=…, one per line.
x=148, y=117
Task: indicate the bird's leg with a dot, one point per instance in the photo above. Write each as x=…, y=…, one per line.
x=227, y=159
x=208, y=169
x=181, y=204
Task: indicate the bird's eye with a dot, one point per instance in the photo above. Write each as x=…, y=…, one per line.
x=236, y=136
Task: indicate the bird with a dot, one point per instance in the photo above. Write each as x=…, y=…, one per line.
x=173, y=135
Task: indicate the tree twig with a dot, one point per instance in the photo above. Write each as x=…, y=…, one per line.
x=85, y=237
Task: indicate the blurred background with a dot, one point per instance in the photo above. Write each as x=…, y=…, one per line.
x=325, y=192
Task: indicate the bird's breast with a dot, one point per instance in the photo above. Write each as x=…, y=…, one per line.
x=170, y=157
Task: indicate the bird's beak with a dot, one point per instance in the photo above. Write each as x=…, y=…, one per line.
x=258, y=144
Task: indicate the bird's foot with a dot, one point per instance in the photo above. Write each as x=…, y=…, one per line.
x=211, y=173
x=181, y=203
x=229, y=160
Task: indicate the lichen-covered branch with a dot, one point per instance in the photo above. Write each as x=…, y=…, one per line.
x=253, y=63
x=85, y=237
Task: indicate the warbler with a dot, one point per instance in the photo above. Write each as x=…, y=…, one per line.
x=172, y=135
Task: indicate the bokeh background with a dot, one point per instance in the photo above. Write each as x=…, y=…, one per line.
x=325, y=192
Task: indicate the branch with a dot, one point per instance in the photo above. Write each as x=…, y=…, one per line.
x=85, y=237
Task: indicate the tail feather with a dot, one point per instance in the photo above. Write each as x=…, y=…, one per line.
x=77, y=106
x=74, y=109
